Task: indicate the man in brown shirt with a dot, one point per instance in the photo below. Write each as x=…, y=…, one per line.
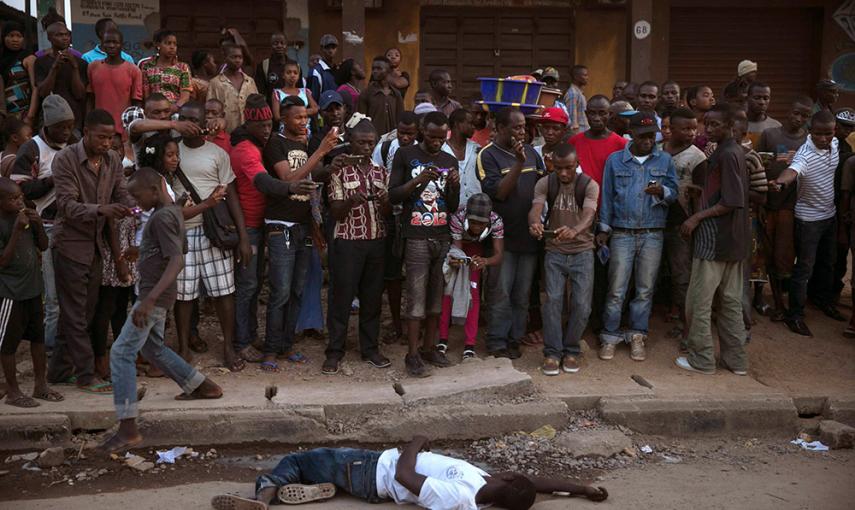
x=380, y=101
x=90, y=190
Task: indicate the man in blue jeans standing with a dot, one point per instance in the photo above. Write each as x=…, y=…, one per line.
x=639, y=184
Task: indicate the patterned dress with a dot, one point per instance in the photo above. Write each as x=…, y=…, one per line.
x=169, y=80
x=18, y=91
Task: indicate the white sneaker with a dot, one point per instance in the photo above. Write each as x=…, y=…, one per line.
x=683, y=363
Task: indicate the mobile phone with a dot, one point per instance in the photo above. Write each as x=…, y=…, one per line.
x=651, y=183
x=549, y=234
x=352, y=159
x=136, y=211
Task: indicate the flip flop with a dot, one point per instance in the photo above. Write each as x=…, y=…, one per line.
x=68, y=381
x=269, y=366
x=237, y=365
x=532, y=339
x=296, y=357
x=94, y=388
x=250, y=354
x=230, y=502
x=49, y=395
x=22, y=401
x=297, y=494
x=116, y=444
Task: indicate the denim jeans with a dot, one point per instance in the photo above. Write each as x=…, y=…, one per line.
x=351, y=470
x=148, y=341
x=636, y=253
x=51, y=301
x=579, y=269
x=247, y=288
x=815, y=251
x=509, y=305
x=288, y=257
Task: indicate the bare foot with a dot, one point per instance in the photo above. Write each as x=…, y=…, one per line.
x=207, y=390
x=117, y=442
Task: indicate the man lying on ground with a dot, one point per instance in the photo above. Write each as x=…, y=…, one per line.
x=413, y=475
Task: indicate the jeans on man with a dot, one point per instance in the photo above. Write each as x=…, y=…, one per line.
x=509, y=305
x=247, y=287
x=289, y=263
x=579, y=269
x=351, y=470
x=50, y=299
x=631, y=252
x=709, y=277
x=815, y=250
x=358, y=273
x=147, y=341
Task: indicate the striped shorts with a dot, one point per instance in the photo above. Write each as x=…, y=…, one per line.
x=21, y=320
x=206, y=264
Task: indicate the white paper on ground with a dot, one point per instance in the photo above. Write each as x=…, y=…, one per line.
x=814, y=446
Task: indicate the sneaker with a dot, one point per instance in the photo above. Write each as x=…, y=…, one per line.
x=295, y=493
x=550, y=366
x=500, y=353
x=514, y=351
x=415, y=366
x=330, y=366
x=442, y=346
x=436, y=358
x=377, y=360
x=637, y=351
x=570, y=364
x=469, y=354
x=607, y=351
x=683, y=363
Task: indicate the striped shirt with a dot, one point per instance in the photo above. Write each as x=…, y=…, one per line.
x=816, y=169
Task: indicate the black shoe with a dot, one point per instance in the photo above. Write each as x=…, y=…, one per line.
x=330, y=366
x=798, y=327
x=415, y=366
x=436, y=358
x=377, y=360
x=500, y=353
x=514, y=351
x=834, y=313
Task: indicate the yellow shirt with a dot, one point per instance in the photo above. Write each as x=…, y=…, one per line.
x=233, y=100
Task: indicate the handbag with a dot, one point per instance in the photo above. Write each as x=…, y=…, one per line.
x=217, y=222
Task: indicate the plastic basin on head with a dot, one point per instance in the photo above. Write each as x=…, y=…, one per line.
x=503, y=90
x=495, y=106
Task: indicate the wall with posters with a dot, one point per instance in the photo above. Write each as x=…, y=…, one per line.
x=137, y=19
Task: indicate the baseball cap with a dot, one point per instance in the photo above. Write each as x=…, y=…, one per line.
x=328, y=40
x=554, y=114
x=846, y=116
x=329, y=97
x=478, y=207
x=131, y=114
x=643, y=122
x=550, y=72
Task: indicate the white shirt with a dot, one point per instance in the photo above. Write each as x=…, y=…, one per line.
x=816, y=170
x=46, y=154
x=469, y=183
x=451, y=484
x=206, y=167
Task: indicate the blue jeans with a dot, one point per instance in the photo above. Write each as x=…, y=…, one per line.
x=638, y=253
x=148, y=341
x=509, y=310
x=289, y=264
x=816, y=252
x=247, y=287
x=579, y=268
x=51, y=301
x=311, y=309
x=351, y=470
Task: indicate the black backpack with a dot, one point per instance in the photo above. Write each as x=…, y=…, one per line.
x=553, y=186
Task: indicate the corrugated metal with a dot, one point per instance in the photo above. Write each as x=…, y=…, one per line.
x=706, y=45
x=475, y=42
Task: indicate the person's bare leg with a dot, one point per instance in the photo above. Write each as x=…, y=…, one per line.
x=414, y=327
x=40, y=386
x=431, y=326
x=225, y=306
x=126, y=437
x=207, y=390
x=12, y=390
x=182, y=312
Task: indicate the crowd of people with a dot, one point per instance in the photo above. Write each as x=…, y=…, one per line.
x=130, y=190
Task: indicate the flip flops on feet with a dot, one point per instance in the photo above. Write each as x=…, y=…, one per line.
x=48, y=395
x=297, y=494
x=250, y=354
x=269, y=366
x=97, y=388
x=22, y=401
x=231, y=502
x=117, y=444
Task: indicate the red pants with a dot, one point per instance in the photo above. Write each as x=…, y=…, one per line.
x=470, y=327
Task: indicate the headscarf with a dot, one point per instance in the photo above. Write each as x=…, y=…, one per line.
x=7, y=56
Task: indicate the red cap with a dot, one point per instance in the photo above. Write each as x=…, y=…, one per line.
x=555, y=114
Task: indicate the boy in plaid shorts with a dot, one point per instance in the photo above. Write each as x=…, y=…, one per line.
x=206, y=167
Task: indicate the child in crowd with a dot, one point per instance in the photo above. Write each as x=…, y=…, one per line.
x=16, y=134
x=22, y=238
x=291, y=87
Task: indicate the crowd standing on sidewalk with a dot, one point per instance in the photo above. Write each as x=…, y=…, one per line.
x=461, y=217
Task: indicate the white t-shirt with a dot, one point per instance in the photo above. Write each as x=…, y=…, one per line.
x=816, y=180
x=451, y=484
x=207, y=167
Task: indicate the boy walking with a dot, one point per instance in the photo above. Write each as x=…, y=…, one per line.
x=22, y=237
x=161, y=259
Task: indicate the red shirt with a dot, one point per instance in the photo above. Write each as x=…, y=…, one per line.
x=482, y=136
x=222, y=141
x=594, y=153
x=246, y=164
x=115, y=87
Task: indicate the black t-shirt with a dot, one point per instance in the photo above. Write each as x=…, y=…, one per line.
x=779, y=142
x=294, y=208
x=21, y=278
x=427, y=212
x=163, y=237
x=492, y=164
x=62, y=85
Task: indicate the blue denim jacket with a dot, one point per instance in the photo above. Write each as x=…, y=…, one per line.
x=624, y=203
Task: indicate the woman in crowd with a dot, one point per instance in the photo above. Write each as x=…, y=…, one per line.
x=164, y=73
x=16, y=75
x=204, y=67
x=397, y=78
x=350, y=76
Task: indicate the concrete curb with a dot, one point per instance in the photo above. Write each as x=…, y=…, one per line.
x=34, y=431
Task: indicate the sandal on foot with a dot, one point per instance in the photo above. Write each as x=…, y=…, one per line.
x=101, y=388
x=296, y=494
x=198, y=345
x=22, y=401
x=269, y=366
x=532, y=339
x=117, y=444
x=231, y=502
x=237, y=365
x=250, y=354
x=49, y=395
x=296, y=357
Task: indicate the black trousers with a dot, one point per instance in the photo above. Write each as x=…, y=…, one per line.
x=111, y=312
x=356, y=270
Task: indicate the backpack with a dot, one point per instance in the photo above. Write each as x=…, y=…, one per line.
x=553, y=186
x=384, y=150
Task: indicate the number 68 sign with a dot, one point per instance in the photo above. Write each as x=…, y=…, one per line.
x=641, y=29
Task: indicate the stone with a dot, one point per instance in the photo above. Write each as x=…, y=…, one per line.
x=836, y=435
x=143, y=466
x=594, y=443
x=52, y=457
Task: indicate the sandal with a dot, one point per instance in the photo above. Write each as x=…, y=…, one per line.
x=296, y=357
x=22, y=401
x=198, y=345
x=269, y=366
x=533, y=339
x=237, y=365
x=49, y=395
x=250, y=354
x=116, y=444
x=101, y=388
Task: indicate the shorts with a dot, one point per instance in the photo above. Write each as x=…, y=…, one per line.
x=425, y=281
x=21, y=320
x=208, y=264
x=779, y=242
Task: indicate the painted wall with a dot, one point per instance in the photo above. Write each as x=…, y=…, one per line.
x=601, y=45
x=838, y=50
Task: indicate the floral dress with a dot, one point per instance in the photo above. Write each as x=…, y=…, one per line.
x=127, y=233
x=169, y=80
